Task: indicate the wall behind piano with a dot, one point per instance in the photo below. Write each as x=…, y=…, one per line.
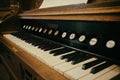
x=9, y=24
x=30, y=4
x=8, y=16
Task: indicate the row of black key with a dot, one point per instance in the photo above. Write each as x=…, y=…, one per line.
x=75, y=57
x=40, y=43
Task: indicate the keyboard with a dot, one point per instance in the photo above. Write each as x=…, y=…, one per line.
x=68, y=61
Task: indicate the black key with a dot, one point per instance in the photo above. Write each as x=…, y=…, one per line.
x=100, y=67
x=67, y=56
x=81, y=59
x=71, y=58
x=44, y=46
x=52, y=47
x=90, y=64
x=62, y=51
x=58, y=50
x=116, y=77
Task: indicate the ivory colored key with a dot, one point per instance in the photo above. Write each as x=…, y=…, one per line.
x=40, y=54
x=109, y=75
x=78, y=72
x=37, y=52
x=34, y=51
x=68, y=66
x=45, y=54
x=116, y=77
x=25, y=46
x=54, y=60
x=93, y=76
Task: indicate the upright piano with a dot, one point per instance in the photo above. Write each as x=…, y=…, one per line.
x=72, y=42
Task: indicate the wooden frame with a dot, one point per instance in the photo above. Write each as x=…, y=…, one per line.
x=109, y=11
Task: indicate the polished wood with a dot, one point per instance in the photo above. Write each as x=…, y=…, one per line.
x=77, y=6
x=77, y=17
x=101, y=10
x=41, y=69
x=108, y=11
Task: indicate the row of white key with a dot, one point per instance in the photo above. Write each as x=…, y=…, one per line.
x=73, y=72
x=43, y=56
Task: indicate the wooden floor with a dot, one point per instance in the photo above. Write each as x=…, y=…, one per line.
x=3, y=73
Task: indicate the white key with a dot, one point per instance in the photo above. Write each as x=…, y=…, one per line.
x=45, y=55
x=27, y=47
x=109, y=75
x=31, y=49
x=54, y=60
x=67, y=65
x=34, y=51
x=93, y=76
x=78, y=72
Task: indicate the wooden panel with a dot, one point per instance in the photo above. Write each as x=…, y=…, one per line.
x=101, y=10
x=76, y=6
x=108, y=11
x=78, y=17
